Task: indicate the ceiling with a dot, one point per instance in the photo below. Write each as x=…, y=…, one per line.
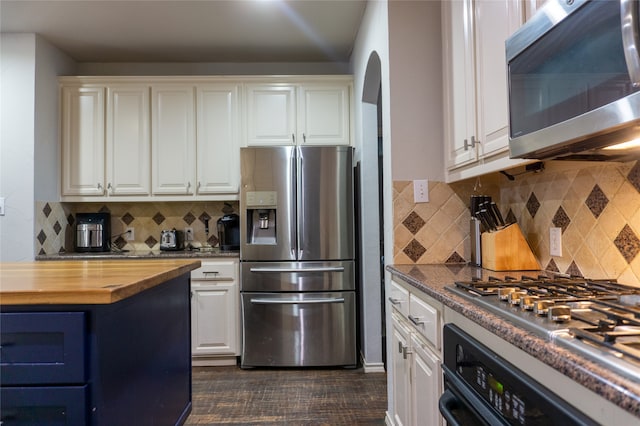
x=191, y=30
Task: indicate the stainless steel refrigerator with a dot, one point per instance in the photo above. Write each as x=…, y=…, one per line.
x=297, y=256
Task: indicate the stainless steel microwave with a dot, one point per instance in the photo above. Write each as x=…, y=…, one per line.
x=574, y=82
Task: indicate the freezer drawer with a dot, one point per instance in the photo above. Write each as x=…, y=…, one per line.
x=299, y=329
x=298, y=276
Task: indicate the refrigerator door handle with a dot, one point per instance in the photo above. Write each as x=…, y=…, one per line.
x=317, y=269
x=293, y=223
x=296, y=301
x=299, y=203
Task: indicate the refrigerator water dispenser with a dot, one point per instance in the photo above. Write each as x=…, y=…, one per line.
x=261, y=217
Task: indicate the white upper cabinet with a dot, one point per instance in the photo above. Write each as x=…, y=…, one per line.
x=83, y=141
x=323, y=114
x=128, y=146
x=307, y=113
x=173, y=142
x=475, y=76
x=218, y=141
x=271, y=113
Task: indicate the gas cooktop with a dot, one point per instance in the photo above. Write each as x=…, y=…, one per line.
x=600, y=319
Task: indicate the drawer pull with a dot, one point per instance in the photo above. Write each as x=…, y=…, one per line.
x=405, y=351
x=209, y=272
x=416, y=320
x=395, y=301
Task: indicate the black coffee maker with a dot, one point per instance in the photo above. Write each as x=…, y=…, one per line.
x=229, y=230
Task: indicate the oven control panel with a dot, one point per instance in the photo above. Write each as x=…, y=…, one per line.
x=490, y=385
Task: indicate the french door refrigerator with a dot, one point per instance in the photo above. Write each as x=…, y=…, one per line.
x=297, y=257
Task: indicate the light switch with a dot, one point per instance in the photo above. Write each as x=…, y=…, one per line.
x=555, y=241
x=421, y=191
x=1, y=206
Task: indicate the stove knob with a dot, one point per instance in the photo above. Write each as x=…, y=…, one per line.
x=527, y=302
x=541, y=307
x=515, y=297
x=503, y=292
x=559, y=313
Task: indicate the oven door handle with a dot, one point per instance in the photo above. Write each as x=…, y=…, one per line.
x=296, y=301
x=459, y=394
x=631, y=39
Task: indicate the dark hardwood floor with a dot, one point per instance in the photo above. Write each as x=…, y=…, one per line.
x=230, y=395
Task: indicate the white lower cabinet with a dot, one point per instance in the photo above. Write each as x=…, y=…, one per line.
x=215, y=313
x=415, y=359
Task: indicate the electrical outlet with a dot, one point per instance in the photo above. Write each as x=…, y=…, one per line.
x=421, y=191
x=188, y=234
x=555, y=242
x=129, y=234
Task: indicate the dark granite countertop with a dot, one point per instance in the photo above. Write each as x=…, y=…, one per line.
x=433, y=280
x=142, y=254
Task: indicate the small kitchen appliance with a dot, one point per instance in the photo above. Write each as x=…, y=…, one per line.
x=229, y=232
x=172, y=240
x=93, y=232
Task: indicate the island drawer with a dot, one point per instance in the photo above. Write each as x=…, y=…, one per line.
x=50, y=405
x=42, y=348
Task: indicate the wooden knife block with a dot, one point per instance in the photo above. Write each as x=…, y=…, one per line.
x=507, y=250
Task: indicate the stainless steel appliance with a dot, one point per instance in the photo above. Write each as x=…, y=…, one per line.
x=574, y=77
x=297, y=256
x=172, y=240
x=599, y=319
x=229, y=232
x=481, y=388
x=93, y=232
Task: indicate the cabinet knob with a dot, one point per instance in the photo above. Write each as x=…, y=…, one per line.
x=109, y=187
x=99, y=185
x=304, y=138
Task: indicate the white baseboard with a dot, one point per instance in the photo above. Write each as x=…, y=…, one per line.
x=371, y=367
x=213, y=361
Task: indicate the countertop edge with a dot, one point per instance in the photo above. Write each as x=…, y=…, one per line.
x=97, y=296
x=604, y=382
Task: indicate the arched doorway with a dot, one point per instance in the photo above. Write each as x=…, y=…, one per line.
x=371, y=221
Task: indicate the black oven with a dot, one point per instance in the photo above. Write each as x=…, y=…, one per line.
x=481, y=388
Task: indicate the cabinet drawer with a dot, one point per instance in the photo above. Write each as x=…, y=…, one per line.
x=399, y=298
x=224, y=270
x=426, y=319
x=52, y=405
x=42, y=348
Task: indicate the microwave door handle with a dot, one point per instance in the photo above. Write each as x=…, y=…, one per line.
x=631, y=39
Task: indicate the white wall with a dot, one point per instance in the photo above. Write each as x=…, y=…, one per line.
x=189, y=68
x=372, y=39
x=28, y=137
x=415, y=55
x=17, y=97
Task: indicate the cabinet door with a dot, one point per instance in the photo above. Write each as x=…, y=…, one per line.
x=218, y=145
x=128, y=142
x=271, y=115
x=496, y=20
x=459, y=82
x=214, y=318
x=425, y=384
x=83, y=141
x=173, y=144
x=400, y=341
x=323, y=114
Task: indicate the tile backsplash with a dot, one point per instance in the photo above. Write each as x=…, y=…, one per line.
x=596, y=205
x=55, y=222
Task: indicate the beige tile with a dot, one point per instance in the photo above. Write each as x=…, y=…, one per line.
x=400, y=185
x=428, y=235
x=609, y=180
x=598, y=243
x=611, y=222
x=426, y=210
x=583, y=184
x=401, y=237
x=402, y=259
x=454, y=207
x=626, y=200
x=439, y=193
x=583, y=220
x=572, y=240
x=612, y=262
x=629, y=277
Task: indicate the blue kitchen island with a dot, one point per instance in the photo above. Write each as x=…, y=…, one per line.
x=95, y=342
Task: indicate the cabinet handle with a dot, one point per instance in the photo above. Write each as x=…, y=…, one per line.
x=109, y=187
x=395, y=301
x=399, y=347
x=304, y=138
x=210, y=272
x=473, y=143
x=405, y=352
x=415, y=320
x=293, y=137
x=99, y=185
x=191, y=294
x=188, y=186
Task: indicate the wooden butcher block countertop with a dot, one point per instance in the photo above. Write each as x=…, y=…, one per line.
x=85, y=282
